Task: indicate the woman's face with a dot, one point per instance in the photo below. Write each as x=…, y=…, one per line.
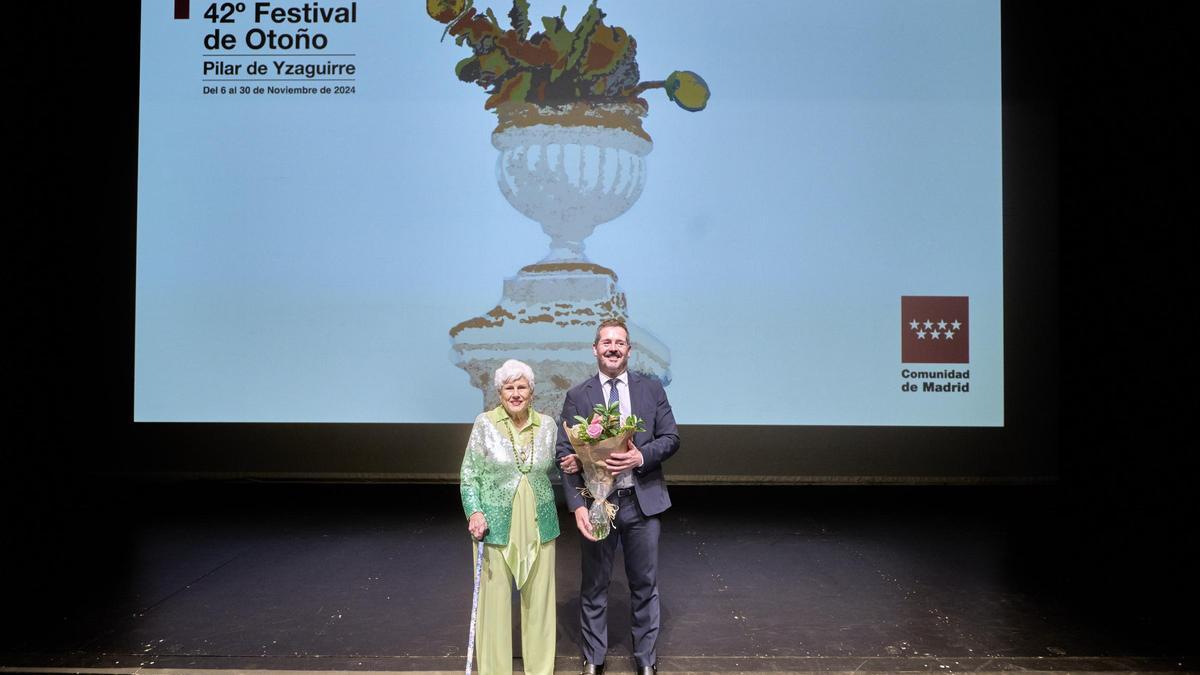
x=515, y=395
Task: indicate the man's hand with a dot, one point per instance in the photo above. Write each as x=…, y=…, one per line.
x=584, y=523
x=620, y=461
x=477, y=525
x=569, y=464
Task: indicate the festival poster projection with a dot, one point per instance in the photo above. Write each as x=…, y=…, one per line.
x=353, y=212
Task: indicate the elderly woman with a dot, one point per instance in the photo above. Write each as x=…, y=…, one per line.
x=509, y=504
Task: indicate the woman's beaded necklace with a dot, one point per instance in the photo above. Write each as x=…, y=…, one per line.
x=524, y=456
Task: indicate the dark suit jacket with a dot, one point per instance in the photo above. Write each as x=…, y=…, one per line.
x=659, y=441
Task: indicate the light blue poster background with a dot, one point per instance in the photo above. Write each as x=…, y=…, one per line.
x=302, y=258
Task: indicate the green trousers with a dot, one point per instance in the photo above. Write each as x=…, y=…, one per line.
x=528, y=564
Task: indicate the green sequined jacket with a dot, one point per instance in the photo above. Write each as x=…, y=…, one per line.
x=490, y=477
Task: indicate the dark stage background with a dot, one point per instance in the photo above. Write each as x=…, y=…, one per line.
x=1097, y=269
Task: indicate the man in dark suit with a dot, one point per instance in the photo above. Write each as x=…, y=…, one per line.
x=640, y=493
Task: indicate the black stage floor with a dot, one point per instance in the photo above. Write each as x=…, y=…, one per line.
x=254, y=576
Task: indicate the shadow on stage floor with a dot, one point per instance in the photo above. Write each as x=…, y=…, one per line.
x=768, y=579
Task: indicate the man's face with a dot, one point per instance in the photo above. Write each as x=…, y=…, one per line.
x=612, y=350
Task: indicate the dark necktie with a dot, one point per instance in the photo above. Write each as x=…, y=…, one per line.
x=614, y=396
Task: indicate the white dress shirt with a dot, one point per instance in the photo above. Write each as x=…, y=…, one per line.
x=622, y=381
x=625, y=478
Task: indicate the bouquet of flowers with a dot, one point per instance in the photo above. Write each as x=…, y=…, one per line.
x=594, y=440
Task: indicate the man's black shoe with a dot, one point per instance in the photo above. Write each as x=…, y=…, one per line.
x=648, y=670
x=591, y=669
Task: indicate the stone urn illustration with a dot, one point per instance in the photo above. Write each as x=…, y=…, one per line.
x=570, y=168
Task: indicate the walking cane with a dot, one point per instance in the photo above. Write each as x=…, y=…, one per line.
x=474, y=604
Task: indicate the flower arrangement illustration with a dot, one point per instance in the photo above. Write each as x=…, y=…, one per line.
x=571, y=155
x=557, y=65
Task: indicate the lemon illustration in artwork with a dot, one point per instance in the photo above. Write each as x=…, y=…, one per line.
x=444, y=11
x=688, y=90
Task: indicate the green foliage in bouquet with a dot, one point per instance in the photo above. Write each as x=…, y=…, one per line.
x=592, y=62
x=605, y=423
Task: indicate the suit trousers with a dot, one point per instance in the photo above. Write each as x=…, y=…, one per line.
x=637, y=535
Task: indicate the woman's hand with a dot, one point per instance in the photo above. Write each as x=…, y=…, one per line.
x=477, y=525
x=569, y=464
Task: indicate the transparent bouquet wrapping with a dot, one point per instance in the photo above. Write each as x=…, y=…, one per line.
x=597, y=479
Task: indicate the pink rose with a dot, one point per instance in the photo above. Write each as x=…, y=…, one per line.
x=594, y=429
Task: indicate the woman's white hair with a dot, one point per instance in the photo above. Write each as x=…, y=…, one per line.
x=513, y=370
